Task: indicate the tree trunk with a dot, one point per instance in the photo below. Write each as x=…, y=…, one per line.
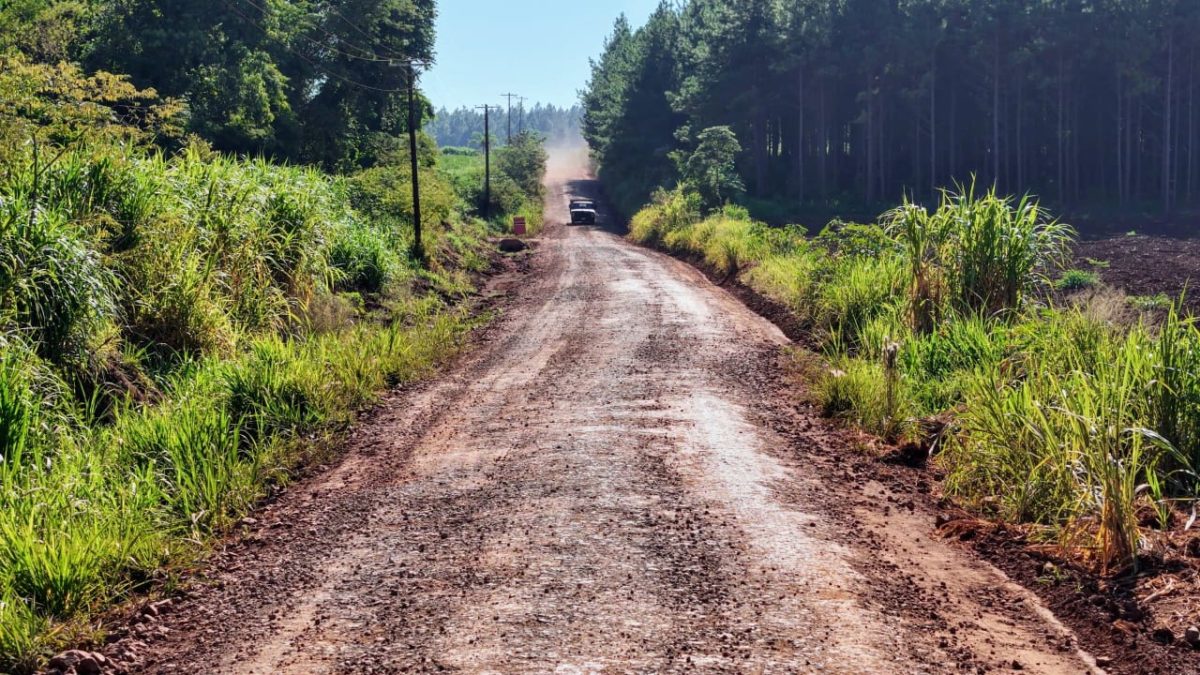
x=823, y=148
x=1062, y=154
x=1020, y=134
x=800, y=138
x=1191, y=158
x=1166, y=170
x=996, y=110
x=868, y=140
x=953, y=142
x=933, y=127
x=1120, y=141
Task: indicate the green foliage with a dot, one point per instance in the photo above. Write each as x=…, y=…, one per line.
x=60, y=103
x=1077, y=280
x=628, y=118
x=859, y=103
x=524, y=161
x=983, y=254
x=517, y=173
x=1066, y=418
x=710, y=168
x=669, y=212
x=1150, y=303
x=856, y=239
x=53, y=285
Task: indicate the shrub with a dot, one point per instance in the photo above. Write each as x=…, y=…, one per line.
x=857, y=290
x=365, y=258
x=790, y=278
x=53, y=285
x=1077, y=280
x=669, y=211
x=869, y=394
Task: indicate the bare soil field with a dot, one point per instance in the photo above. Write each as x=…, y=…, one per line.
x=1145, y=264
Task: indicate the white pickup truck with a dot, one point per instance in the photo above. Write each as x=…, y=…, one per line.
x=583, y=212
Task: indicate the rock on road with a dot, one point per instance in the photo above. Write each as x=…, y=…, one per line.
x=611, y=481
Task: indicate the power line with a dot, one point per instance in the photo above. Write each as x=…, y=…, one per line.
x=369, y=58
x=309, y=61
x=350, y=23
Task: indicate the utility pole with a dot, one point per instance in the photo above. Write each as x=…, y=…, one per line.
x=510, y=98
x=410, y=66
x=487, y=160
x=418, y=248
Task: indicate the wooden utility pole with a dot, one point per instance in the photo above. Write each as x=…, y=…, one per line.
x=487, y=160
x=418, y=248
x=510, y=98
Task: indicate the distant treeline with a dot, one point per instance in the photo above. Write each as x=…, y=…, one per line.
x=464, y=126
x=1083, y=102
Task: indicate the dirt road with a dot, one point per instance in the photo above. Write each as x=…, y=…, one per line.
x=614, y=481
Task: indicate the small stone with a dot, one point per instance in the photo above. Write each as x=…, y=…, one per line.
x=1017, y=665
x=248, y=521
x=78, y=661
x=1192, y=636
x=1103, y=661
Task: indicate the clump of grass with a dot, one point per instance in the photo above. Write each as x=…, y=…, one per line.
x=1077, y=280
x=857, y=290
x=668, y=212
x=976, y=253
x=1150, y=303
x=869, y=394
x=791, y=278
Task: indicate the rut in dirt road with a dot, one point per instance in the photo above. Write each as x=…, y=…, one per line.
x=610, y=483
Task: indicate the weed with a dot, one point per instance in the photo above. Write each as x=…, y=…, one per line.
x=1077, y=280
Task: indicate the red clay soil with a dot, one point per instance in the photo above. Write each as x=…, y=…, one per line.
x=622, y=476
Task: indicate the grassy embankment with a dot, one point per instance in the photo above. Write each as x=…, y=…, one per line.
x=178, y=332
x=1081, y=418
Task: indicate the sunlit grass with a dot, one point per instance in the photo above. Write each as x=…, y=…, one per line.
x=1069, y=418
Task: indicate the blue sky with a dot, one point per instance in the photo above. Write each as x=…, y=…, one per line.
x=536, y=48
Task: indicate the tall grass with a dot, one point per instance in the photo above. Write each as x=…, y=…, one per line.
x=981, y=253
x=159, y=366
x=1076, y=419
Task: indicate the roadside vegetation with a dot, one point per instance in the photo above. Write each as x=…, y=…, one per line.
x=1079, y=416
x=516, y=180
x=186, y=319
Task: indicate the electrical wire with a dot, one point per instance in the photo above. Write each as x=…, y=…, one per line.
x=369, y=57
x=316, y=66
